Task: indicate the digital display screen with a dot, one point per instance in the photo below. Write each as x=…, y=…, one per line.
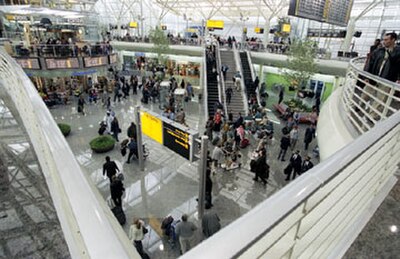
x=29, y=63
x=177, y=140
x=335, y=12
x=55, y=63
x=95, y=61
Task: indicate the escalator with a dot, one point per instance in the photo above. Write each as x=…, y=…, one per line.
x=212, y=86
x=247, y=75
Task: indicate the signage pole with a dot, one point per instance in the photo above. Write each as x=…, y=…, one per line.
x=202, y=176
x=139, y=139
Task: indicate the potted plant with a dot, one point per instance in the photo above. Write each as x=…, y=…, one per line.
x=102, y=144
x=65, y=128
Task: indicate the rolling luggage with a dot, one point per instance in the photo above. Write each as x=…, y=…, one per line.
x=119, y=214
x=102, y=129
x=244, y=143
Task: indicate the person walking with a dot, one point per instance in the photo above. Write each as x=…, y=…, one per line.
x=117, y=190
x=133, y=150
x=81, y=105
x=285, y=143
x=210, y=223
x=294, y=136
x=307, y=165
x=108, y=119
x=295, y=163
x=110, y=168
x=115, y=129
x=218, y=155
x=131, y=132
x=261, y=167
x=229, y=93
x=136, y=235
x=185, y=230
x=281, y=93
x=308, y=136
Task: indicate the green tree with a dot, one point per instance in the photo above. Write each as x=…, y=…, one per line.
x=161, y=44
x=300, y=63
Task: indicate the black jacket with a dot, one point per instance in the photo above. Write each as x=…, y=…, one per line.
x=285, y=142
x=261, y=167
x=306, y=166
x=296, y=162
x=117, y=188
x=391, y=69
x=111, y=168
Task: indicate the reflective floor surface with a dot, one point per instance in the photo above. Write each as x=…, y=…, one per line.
x=169, y=184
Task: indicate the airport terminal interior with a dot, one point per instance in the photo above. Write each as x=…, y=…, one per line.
x=199, y=129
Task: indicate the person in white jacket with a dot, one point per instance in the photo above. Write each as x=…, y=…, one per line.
x=217, y=155
x=136, y=235
x=107, y=121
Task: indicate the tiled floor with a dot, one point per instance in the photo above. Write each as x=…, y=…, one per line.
x=169, y=184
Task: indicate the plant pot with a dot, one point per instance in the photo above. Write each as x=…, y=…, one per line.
x=102, y=144
x=65, y=128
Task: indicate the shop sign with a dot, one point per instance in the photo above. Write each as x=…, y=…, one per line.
x=53, y=63
x=29, y=63
x=95, y=61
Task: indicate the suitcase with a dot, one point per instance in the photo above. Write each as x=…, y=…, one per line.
x=123, y=151
x=244, y=143
x=119, y=214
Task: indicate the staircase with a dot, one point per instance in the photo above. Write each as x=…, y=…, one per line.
x=237, y=102
x=212, y=88
x=247, y=75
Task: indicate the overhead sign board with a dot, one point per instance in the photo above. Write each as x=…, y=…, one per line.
x=133, y=24
x=286, y=27
x=335, y=12
x=62, y=63
x=177, y=140
x=152, y=126
x=95, y=61
x=259, y=30
x=29, y=63
x=215, y=24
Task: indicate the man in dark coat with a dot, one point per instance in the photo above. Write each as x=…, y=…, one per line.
x=307, y=165
x=308, y=136
x=131, y=132
x=261, y=167
x=110, y=167
x=384, y=62
x=285, y=143
x=117, y=190
x=210, y=223
x=295, y=162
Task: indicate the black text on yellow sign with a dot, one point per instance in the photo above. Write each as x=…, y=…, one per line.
x=215, y=24
x=152, y=127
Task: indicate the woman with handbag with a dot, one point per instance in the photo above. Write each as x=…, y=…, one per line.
x=136, y=235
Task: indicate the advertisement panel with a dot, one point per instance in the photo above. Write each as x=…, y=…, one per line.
x=152, y=126
x=215, y=24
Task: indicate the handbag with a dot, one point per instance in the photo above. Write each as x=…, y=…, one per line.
x=145, y=231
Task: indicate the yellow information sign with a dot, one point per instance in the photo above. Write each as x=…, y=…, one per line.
x=259, y=30
x=215, y=24
x=286, y=27
x=133, y=25
x=152, y=127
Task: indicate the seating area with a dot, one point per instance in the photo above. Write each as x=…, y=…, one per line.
x=304, y=117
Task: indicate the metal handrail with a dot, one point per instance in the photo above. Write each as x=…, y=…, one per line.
x=256, y=223
x=205, y=94
x=364, y=95
x=221, y=86
x=242, y=84
x=90, y=229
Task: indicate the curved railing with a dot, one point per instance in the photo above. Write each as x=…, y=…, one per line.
x=366, y=98
x=321, y=213
x=90, y=229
